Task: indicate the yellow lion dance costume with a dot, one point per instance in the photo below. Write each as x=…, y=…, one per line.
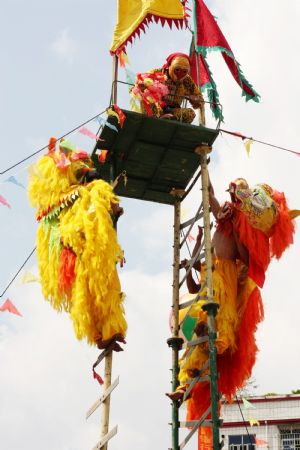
x=77, y=246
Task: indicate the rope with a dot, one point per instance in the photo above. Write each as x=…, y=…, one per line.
x=46, y=146
x=241, y=136
x=15, y=276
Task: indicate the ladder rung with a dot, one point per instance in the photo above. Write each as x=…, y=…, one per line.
x=199, y=340
x=196, y=426
x=106, y=438
x=198, y=216
x=192, y=423
x=190, y=302
x=102, y=398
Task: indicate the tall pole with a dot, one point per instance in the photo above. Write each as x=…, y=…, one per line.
x=175, y=342
x=109, y=357
x=211, y=306
x=202, y=107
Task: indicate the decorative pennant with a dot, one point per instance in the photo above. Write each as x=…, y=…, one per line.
x=29, y=277
x=106, y=124
x=261, y=441
x=247, y=145
x=247, y=404
x=190, y=238
x=4, y=201
x=67, y=145
x=13, y=180
x=188, y=326
x=123, y=59
x=86, y=132
x=10, y=307
x=121, y=115
x=253, y=421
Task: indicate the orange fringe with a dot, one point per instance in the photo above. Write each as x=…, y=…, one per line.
x=282, y=233
x=67, y=274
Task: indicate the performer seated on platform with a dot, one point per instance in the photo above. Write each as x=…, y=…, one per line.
x=162, y=92
x=181, y=86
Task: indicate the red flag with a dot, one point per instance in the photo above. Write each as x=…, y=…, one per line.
x=9, y=307
x=209, y=37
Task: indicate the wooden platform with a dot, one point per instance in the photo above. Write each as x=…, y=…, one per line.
x=157, y=155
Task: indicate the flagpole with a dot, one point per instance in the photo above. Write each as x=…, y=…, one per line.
x=114, y=93
x=202, y=108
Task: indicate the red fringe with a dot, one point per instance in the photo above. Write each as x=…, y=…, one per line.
x=235, y=368
x=67, y=274
x=257, y=244
x=284, y=228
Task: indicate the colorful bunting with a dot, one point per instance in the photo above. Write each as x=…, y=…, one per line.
x=190, y=238
x=188, y=326
x=104, y=122
x=13, y=180
x=261, y=441
x=247, y=404
x=29, y=277
x=248, y=144
x=67, y=145
x=86, y=132
x=4, y=201
x=253, y=421
x=9, y=307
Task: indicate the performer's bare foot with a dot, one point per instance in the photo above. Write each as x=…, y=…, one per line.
x=177, y=395
x=167, y=116
x=103, y=344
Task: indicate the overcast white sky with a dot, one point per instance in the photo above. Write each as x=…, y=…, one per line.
x=55, y=74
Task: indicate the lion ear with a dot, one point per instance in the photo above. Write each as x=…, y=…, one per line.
x=293, y=213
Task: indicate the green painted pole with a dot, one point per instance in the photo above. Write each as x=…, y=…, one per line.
x=211, y=306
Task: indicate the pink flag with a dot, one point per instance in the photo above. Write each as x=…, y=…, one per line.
x=190, y=238
x=260, y=442
x=4, y=201
x=87, y=132
x=9, y=307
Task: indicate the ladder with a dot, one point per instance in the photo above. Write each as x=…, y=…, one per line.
x=175, y=342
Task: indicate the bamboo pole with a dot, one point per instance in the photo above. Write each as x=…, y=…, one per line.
x=175, y=333
x=210, y=306
x=106, y=403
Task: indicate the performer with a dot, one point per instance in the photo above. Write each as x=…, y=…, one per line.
x=77, y=246
x=181, y=86
x=163, y=91
x=255, y=226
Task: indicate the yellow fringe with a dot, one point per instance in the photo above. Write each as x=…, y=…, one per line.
x=95, y=302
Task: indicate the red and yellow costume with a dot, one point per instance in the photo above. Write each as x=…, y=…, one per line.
x=175, y=76
x=77, y=246
x=264, y=225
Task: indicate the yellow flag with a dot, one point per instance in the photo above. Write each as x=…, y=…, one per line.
x=133, y=15
x=28, y=277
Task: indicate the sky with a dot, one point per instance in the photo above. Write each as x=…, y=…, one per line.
x=55, y=74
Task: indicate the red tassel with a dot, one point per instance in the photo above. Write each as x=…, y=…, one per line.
x=66, y=269
x=97, y=377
